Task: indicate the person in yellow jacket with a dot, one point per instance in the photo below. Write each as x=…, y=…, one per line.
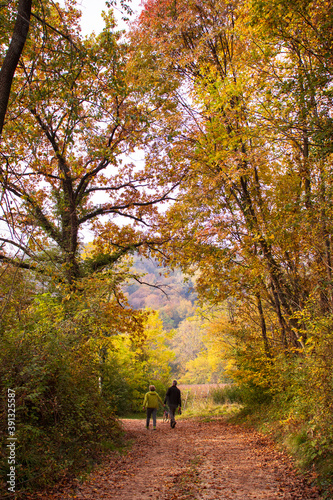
x=150, y=403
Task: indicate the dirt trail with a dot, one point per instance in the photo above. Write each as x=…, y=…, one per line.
x=196, y=460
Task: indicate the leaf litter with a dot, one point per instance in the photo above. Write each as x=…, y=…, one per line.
x=198, y=460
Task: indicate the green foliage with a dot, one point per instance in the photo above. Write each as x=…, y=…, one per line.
x=233, y=105
x=209, y=401
x=227, y=394
x=129, y=367
x=253, y=218
x=61, y=418
x=291, y=395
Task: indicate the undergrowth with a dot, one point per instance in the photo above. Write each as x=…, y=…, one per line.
x=220, y=402
x=283, y=417
x=289, y=424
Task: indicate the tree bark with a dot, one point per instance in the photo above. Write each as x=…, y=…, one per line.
x=13, y=55
x=263, y=325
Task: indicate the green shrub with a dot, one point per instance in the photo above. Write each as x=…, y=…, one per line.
x=227, y=394
x=61, y=417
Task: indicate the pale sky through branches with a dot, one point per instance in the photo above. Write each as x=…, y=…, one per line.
x=92, y=21
x=91, y=14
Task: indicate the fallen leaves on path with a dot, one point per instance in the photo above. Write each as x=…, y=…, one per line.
x=196, y=460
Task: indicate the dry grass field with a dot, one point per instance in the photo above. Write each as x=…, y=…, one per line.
x=200, y=389
x=193, y=394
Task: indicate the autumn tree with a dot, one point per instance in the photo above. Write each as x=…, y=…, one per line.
x=251, y=133
x=76, y=113
x=245, y=138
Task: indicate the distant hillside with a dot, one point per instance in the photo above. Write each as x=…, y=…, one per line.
x=197, y=356
x=174, y=303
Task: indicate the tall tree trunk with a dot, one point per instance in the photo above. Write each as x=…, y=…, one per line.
x=13, y=55
x=280, y=317
x=263, y=325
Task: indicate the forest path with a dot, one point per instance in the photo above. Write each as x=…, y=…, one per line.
x=202, y=460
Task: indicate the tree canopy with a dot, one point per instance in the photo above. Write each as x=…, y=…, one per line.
x=252, y=139
x=76, y=111
x=230, y=106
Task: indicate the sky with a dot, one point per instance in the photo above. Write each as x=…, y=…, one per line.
x=91, y=14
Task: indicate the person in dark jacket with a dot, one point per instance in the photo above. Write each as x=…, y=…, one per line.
x=173, y=400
